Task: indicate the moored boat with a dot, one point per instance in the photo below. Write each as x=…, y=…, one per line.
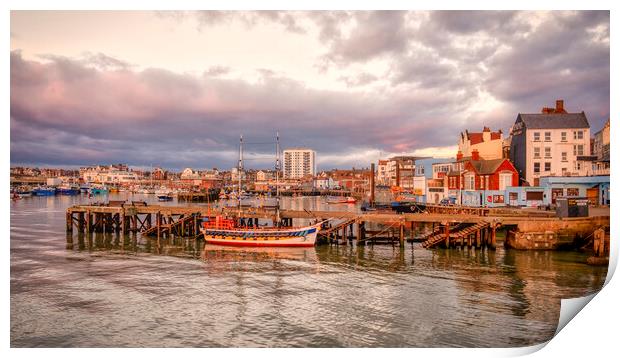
x=44, y=191
x=23, y=192
x=219, y=230
x=67, y=189
x=347, y=200
x=98, y=190
x=164, y=197
x=222, y=231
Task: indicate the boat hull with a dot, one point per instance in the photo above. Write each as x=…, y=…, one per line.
x=296, y=237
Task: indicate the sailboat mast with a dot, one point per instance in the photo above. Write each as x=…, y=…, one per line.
x=278, y=177
x=239, y=169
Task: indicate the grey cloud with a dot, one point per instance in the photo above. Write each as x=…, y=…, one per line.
x=361, y=79
x=439, y=69
x=217, y=71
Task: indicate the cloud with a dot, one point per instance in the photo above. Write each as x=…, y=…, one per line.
x=414, y=81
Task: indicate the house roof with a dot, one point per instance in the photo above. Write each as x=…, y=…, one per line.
x=554, y=120
x=476, y=138
x=485, y=167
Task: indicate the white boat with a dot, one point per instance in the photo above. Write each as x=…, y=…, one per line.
x=218, y=230
x=221, y=231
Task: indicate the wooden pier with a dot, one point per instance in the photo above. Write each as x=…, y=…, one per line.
x=452, y=227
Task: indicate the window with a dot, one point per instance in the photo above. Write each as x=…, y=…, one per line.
x=536, y=167
x=547, y=136
x=577, y=166
x=482, y=182
x=563, y=134
x=536, y=136
x=547, y=167
x=572, y=191
x=578, y=149
x=470, y=182
x=547, y=152
x=505, y=180
x=578, y=135
x=536, y=152
x=564, y=157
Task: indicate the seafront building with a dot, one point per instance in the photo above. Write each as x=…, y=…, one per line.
x=600, y=150
x=298, y=162
x=551, y=143
x=488, y=144
x=112, y=174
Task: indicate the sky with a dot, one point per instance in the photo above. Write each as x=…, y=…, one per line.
x=176, y=89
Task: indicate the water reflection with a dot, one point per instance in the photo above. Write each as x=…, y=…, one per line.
x=114, y=290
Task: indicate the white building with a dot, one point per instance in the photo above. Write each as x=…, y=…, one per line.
x=298, y=162
x=552, y=143
x=264, y=175
x=382, y=176
x=489, y=144
x=107, y=175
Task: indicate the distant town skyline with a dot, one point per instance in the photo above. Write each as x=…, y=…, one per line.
x=176, y=89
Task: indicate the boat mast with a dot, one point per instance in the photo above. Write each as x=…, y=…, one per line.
x=278, y=178
x=239, y=169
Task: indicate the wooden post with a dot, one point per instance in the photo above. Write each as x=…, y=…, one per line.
x=493, y=236
x=447, y=233
x=361, y=235
x=69, y=218
x=123, y=222
x=401, y=234
x=89, y=222
x=158, y=223
x=478, y=238
x=81, y=222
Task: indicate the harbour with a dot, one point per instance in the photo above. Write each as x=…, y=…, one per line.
x=300, y=179
x=136, y=290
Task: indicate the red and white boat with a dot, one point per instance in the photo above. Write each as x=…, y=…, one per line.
x=222, y=231
x=227, y=231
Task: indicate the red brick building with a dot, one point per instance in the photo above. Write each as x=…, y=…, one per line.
x=479, y=174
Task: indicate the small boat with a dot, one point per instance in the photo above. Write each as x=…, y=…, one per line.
x=97, y=190
x=67, y=189
x=113, y=189
x=408, y=207
x=23, y=192
x=164, y=197
x=347, y=200
x=84, y=188
x=44, y=191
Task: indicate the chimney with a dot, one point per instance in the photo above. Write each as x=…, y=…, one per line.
x=486, y=134
x=459, y=156
x=559, y=106
x=475, y=155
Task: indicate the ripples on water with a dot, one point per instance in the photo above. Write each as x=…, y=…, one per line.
x=102, y=291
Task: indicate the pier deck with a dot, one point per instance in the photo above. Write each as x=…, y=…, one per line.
x=472, y=223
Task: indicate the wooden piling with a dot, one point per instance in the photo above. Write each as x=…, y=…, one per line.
x=69, y=218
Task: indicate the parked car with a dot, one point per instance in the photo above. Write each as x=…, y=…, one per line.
x=448, y=201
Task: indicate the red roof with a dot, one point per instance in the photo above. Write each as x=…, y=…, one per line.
x=476, y=138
